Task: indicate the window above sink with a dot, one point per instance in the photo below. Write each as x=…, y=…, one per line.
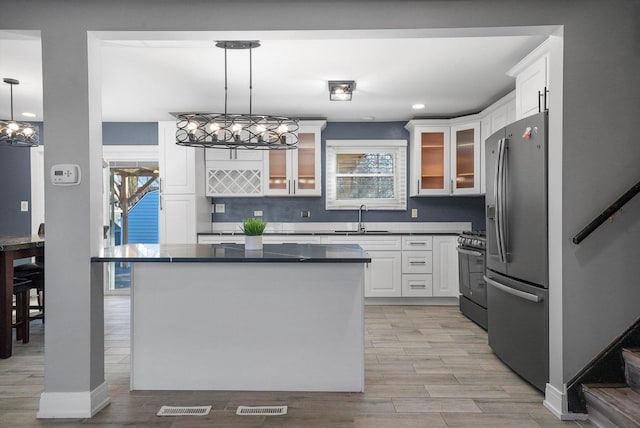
x=371, y=172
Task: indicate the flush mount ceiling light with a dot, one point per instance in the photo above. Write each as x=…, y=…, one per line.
x=17, y=134
x=341, y=90
x=236, y=130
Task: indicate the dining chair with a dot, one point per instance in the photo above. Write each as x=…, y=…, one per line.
x=21, y=291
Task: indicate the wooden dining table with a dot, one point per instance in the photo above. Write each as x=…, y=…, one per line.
x=13, y=248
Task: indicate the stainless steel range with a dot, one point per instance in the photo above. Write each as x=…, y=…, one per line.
x=472, y=264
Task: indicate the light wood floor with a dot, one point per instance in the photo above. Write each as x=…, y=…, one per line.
x=425, y=367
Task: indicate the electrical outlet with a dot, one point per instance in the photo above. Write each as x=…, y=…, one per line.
x=24, y=206
x=257, y=213
x=305, y=214
x=414, y=213
x=220, y=208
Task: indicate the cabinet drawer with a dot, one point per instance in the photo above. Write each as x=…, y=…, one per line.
x=417, y=262
x=417, y=285
x=418, y=243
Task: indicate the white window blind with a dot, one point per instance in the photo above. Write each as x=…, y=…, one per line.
x=371, y=172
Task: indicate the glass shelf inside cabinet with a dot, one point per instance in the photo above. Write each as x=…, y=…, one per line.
x=277, y=169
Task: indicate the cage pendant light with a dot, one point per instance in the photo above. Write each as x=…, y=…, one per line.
x=237, y=130
x=14, y=133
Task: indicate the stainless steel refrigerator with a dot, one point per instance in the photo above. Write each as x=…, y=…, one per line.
x=517, y=273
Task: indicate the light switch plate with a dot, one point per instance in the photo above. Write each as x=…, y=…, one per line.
x=24, y=206
x=219, y=208
x=414, y=213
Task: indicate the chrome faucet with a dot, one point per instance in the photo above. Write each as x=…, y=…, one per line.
x=360, y=223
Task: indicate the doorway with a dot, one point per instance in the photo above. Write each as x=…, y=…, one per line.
x=133, y=212
x=131, y=209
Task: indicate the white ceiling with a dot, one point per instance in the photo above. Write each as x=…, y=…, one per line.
x=144, y=80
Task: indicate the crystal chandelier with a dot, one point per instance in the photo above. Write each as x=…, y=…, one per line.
x=17, y=134
x=236, y=130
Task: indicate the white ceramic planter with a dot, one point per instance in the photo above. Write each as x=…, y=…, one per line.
x=253, y=242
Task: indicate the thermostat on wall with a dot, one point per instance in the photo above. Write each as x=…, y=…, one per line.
x=65, y=174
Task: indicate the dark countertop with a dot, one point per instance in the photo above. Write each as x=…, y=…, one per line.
x=12, y=243
x=333, y=233
x=232, y=253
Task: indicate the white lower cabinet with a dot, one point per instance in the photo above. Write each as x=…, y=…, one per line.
x=221, y=239
x=177, y=219
x=290, y=239
x=417, y=285
x=445, y=266
x=382, y=275
x=401, y=266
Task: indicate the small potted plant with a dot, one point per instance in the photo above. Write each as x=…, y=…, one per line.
x=253, y=229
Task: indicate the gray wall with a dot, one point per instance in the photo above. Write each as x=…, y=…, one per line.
x=599, y=158
x=282, y=209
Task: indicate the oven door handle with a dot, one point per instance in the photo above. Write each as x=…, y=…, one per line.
x=468, y=252
x=523, y=295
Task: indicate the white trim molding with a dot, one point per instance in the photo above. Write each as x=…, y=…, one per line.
x=131, y=153
x=556, y=402
x=37, y=187
x=86, y=404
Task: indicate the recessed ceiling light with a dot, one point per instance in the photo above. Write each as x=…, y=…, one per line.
x=27, y=114
x=417, y=106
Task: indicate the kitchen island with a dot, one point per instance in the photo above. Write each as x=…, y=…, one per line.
x=289, y=317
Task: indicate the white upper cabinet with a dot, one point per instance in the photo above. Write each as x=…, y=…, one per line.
x=496, y=116
x=465, y=159
x=177, y=163
x=296, y=172
x=233, y=172
x=445, y=157
x=532, y=82
x=233, y=155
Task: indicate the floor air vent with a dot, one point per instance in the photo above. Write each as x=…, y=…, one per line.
x=262, y=411
x=184, y=411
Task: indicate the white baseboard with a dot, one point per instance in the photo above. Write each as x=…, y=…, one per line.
x=556, y=402
x=73, y=404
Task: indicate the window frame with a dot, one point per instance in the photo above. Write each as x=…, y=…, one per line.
x=398, y=150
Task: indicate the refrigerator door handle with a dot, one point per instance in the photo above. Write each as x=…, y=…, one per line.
x=523, y=295
x=498, y=191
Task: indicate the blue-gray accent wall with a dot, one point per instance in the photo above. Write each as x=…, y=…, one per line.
x=288, y=209
x=130, y=133
x=15, y=176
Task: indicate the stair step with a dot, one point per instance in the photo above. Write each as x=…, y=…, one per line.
x=632, y=367
x=615, y=405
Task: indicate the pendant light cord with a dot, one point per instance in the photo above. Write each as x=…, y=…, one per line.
x=225, y=87
x=11, y=86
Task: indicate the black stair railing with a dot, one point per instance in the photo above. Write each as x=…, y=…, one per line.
x=613, y=208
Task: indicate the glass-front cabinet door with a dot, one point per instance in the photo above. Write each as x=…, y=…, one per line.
x=296, y=172
x=465, y=158
x=431, y=160
x=445, y=157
